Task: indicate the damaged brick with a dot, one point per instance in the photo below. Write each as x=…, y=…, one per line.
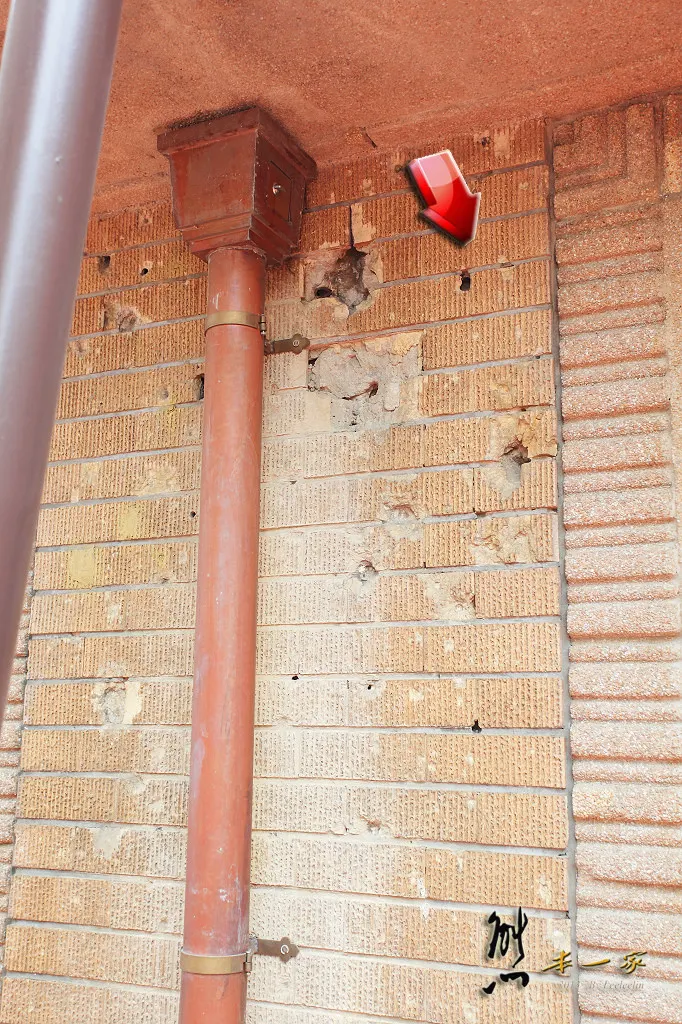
x=349, y=278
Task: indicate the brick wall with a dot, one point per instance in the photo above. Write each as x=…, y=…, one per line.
x=410, y=767
x=618, y=249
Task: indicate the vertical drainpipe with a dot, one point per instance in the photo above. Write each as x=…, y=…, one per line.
x=54, y=86
x=238, y=188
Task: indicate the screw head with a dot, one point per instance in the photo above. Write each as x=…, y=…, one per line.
x=284, y=949
x=277, y=188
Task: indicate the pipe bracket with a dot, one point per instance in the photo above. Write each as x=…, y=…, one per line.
x=235, y=318
x=295, y=344
x=233, y=963
x=238, y=963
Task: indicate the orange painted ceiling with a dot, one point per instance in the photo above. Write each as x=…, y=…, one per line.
x=344, y=74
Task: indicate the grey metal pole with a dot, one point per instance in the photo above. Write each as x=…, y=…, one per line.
x=54, y=86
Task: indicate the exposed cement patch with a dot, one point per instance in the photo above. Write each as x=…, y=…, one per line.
x=372, y=383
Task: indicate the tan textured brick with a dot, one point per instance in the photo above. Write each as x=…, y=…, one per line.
x=344, y=452
x=672, y=157
x=400, y=498
x=654, y=422
x=522, y=592
x=596, y=296
x=455, y=596
x=467, y=760
x=102, y=849
x=141, y=960
x=119, y=478
x=624, y=681
x=138, y=266
x=637, y=741
x=167, y=607
x=523, y=819
x=501, y=819
x=95, y=566
x=491, y=541
x=379, y=928
x=121, y=391
x=325, y=229
x=484, y=438
x=142, y=800
x=502, y=194
x=655, y=1000
x=155, y=751
x=52, y=1002
x=461, y=876
x=536, y=487
x=500, y=241
x=145, y=347
x=286, y=281
x=172, y=427
x=175, y=300
x=488, y=339
x=338, y=649
x=131, y=227
x=499, y=387
x=121, y=520
x=141, y=905
x=631, y=369
x=144, y=702
x=512, y=647
x=408, y=992
x=503, y=147
x=418, y=302
x=107, y=657
x=494, y=702
x=341, y=549
x=611, y=319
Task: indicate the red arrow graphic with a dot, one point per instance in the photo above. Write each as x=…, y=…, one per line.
x=450, y=204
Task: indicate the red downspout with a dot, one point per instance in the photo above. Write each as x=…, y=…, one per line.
x=219, y=838
x=238, y=188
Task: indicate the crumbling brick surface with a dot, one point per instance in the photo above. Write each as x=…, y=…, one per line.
x=411, y=771
x=618, y=230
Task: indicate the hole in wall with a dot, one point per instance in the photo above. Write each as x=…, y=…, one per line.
x=192, y=515
x=144, y=271
x=350, y=278
x=103, y=263
x=465, y=281
x=476, y=727
x=199, y=387
x=365, y=572
x=517, y=453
